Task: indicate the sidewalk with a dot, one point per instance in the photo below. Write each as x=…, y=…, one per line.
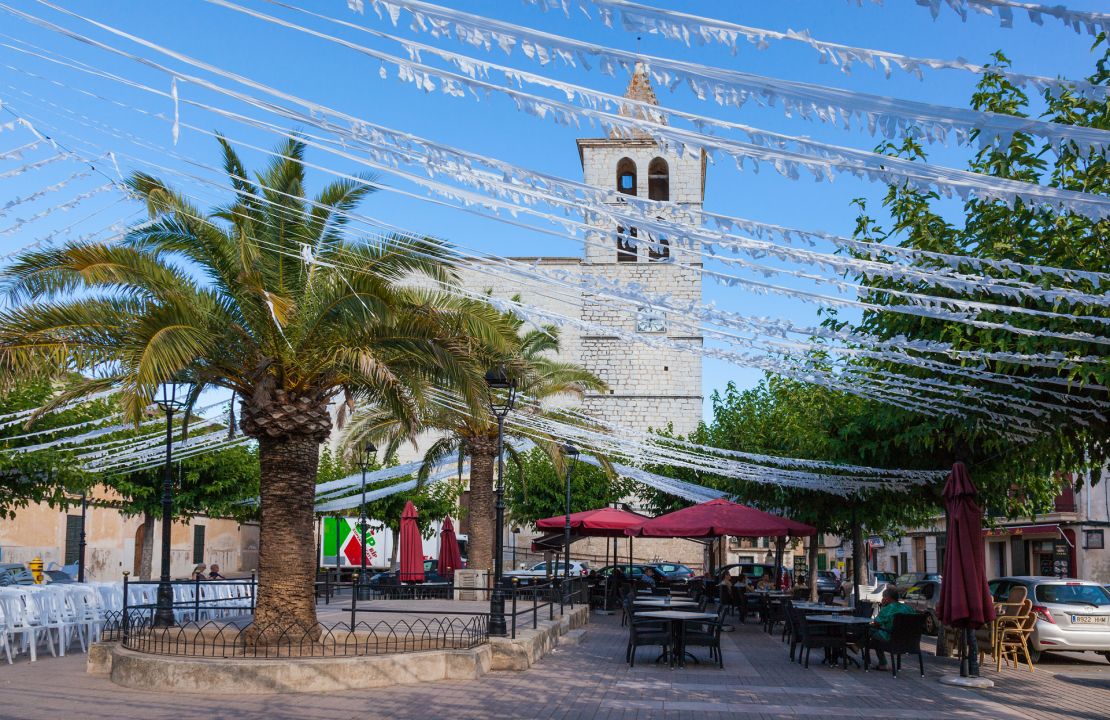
x=592, y=681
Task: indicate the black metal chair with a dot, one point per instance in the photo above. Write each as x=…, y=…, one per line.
x=905, y=639
x=818, y=635
x=864, y=608
x=642, y=634
x=773, y=614
x=700, y=633
x=787, y=620
x=797, y=620
x=738, y=599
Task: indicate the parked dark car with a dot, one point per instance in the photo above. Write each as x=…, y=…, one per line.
x=755, y=571
x=636, y=571
x=827, y=584
x=391, y=577
x=674, y=572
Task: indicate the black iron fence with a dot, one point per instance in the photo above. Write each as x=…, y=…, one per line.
x=213, y=639
x=193, y=600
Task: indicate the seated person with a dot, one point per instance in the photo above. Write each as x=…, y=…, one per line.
x=214, y=573
x=765, y=583
x=884, y=622
x=198, y=572
x=742, y=582
x=648, y=578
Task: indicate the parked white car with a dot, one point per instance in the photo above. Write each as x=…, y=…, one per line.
x=541, y=570
x=1072, y=614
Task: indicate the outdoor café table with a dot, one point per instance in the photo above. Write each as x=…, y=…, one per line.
x=819, y=608
x=662, y=604
x=846, y=621
x=677, y=620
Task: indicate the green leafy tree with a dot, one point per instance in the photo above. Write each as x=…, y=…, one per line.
x=264, y=296
x=535, y=488
x=1017, y=477
x=50, y=474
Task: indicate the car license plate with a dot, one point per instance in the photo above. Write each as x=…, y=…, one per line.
x=1090, y=619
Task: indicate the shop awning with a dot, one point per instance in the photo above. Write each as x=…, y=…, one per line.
x=1026, y=530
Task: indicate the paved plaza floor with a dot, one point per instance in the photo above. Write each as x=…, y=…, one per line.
x=591, y=680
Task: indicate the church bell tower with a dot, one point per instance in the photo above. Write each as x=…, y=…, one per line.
x=649, y=385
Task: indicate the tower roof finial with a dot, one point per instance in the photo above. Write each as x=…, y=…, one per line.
x=640, y=90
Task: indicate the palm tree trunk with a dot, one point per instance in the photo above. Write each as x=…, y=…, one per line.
x=286, y=558
x=483, y=454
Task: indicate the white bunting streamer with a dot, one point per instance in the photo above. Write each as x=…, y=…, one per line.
x=884, y=169
x=1078, y=20
x=685, y=27
x=885, y=115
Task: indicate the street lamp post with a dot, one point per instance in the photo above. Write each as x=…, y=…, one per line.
x=502, y=396
x=81, y=544
x=173, y=396
x=571, y=452
x=366, y=455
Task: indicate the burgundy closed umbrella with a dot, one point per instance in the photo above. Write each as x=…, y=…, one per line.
x=965, y=600
x=412, y=546
x=450, y=559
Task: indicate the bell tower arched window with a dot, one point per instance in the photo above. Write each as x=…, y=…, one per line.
x=627, y=248
x=659, y=180
x=626, y=176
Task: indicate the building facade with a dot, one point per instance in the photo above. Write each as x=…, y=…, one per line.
x=114, y=541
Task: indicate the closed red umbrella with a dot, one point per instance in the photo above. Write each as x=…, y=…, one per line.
x=965, y=600
x=720, y=517
x=450, y=559
x=412, y=546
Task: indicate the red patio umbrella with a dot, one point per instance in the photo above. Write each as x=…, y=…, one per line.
x=965, y=600
x=450, y=559
x=720, y=517
x=603, y=522
x=412, y=546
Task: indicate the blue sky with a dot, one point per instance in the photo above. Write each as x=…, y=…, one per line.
x=347, y=81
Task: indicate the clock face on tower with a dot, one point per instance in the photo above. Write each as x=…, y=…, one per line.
x=650, y=321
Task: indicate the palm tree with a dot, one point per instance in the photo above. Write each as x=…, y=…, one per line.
x=266, y=298
x=539, y=379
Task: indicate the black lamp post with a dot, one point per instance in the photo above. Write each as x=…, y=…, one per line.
x=172, y=396
x=367, y=452
x=571, y=452
x=502, y=396
x=81, y=544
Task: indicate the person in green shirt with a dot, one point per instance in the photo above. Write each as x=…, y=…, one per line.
x=884, y=622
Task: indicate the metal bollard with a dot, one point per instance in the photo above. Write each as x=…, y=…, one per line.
x=535, y=607
x=515, y=581
x=196, y=600
x=354, y=597
x=254, y=590
x=123, y=620
x=327, y=587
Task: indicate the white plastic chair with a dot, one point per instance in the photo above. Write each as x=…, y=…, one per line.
x=90, y=610
x=53, y=614
x=5, y=632
x=21, y=615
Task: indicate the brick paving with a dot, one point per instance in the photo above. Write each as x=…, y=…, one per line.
x=591, y=681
